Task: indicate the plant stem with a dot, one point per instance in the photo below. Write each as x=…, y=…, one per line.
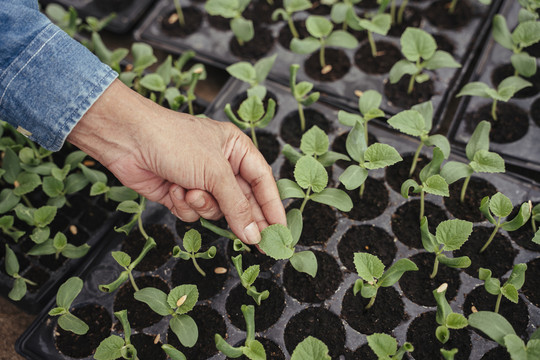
x=435, y=268
x=401, y=11
x=452, y=7
x=180, y=13
x=411, y=84
x=321, y=57
x=190, y=107
x=372, y=44
x=371, y=302
x=27, y=201
x=422, y=195
x=415, y=158
x=494, y=110
x=132, y=280
x=362, y=188
x=254, y=137
x=201, y=271
x=28, y=281
x=366, y=133
x=302, y=117
x=393, y=12
x=498, y=303
x=491, y=236
x=306, y=198
x=533, y=223
x=464, y=188
x=292, y=28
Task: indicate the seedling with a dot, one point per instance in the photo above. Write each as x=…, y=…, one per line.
x=310, y=348
x=252, y=349
x=386, y=347
x=322, y=36
x=418, y=122
x=67, y=20
x=370, y=269
x=111, y=58
x=535, y=216
x=501, y=331
x=301, y=94
x=233, y=9
x=172, y=352
x=375, y=156
x=289, y=8
x=368, y=105
x=528, y=10
x=453, y=4
x=179, y=13
x=192, y=244
x=177, y=303
x=115, y=193
x=379, y=24
x=114, y=347
x=252, y=115
x=420, y=51
x=38, y=218
x=500, y=206
x=6, y=224
x=509, y=289
x=431, y=181
x=254, y=75
x=248, y=277
x=12, y=269
x=449, y=354
x=143, y=57
x=450, y=235
x=524, y=35
x=481, y=160
x=67, y=292
x=59, y=246
x=343, y=12
x=446, y=318
x=238, y=245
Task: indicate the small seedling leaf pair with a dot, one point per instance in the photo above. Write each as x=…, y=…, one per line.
x=368, y=105
x=344, y=13
x=67, y=292
x=6, y=224
x=310, y=348
x=301, y=92
x=248, y=277
x=254, y=75
x=509, y=289
x=379, y=24
x=445, y=317
x=12, y=269
x=286, y=13
x=192, y=242
x=59, y=245
x=114, y=347
x=386, y=347
x=233, y=9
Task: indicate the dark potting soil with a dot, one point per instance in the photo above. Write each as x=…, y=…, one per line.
x=219, y=22
x=386, y=313
x=261, y=11
x=253, y=257
x=368, y=4
x=468, y=209
x=266, y=314
x=387, y=55
x=209, y=322
x=285, y=36
x=366, y=238
x=336, y=58
x=516, y=314
x=113, y=5
x=192, y=22
x=418, y=286
x=339, y=145
x=76, y=235
x=206, y=235
x=287, y=172
x=291, y=131
x=93, y=217
x=444, y=44
x=99, y=322
x=256, y=48
x=399, y=172
x=535, y=111
x=78, y=205
x=364, y=352
x=184, y=272
x=146, y=348
x=412, y=17
x=51, y=262
x=320, y=222
x=498, y=256
x=305, y=288
x=497, y=353
x=438, y=15
x=268, y=145
x=398, y=96
x=421, y=333
x=272, y=350
x=59, y=223
x=524, y=235
x=373, y=202
x=134, y=243
x=319, y=9
x=532, y=282
x=319, y=323
x=501, y=72
x=37, y=275
x=511, y=125
x=406, y=221
x=139, y=314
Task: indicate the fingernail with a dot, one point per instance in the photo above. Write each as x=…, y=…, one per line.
x=252, y=234
x=198, y=202
x=178, y=194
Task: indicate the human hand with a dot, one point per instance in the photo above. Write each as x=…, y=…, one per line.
x=194, y=166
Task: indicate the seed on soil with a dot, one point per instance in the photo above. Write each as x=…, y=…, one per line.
x=173, y=18
x=325, y=70
x=181, y=301
x=380, y=53
x=358, y=93
x=474, y=309
x=442, y=288
x=220, y=270
x=73, y=229
x=89, y=163
x=156, y=339
x=129, y=67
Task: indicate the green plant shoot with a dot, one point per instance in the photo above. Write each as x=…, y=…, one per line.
x=500, y=206
x=528, y=10
x=179, y=13
x=386, y=347
x=379, y=24
x=368, y=105
x=143, y=57
x=301, y=93
x=12, y=269
x=238, y=245
x=192, y=242
x=8, y=228
x=453, y=3
x=420, y=51
x=309, y=349
x=59, y=246
x=509, y=289
x=254, y=75
x=449, y=354
x=39, y=219
x=287, y=11
x=446, y=318
x=370, y=269
x=248, y=277
x=535, y=216
x=114, y=347
x=232, y=9
x=343, y=12
x=67, y=292
x=450, y=235
x=172, y=352
x=67, y=20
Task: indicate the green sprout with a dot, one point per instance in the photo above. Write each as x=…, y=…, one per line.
x=386, y=347
x=248, y=277
x=233, y=9
x=343, y=12
x=535, y=216
x=450, y=235
x=192, y=244
x=481, y=160
x=252, y=349
x=431, y=181
x=418, y=122
x=420, y=51
x=401, y=10
x=504, y=92
x=179, y=13
x=38, y=218
x=510, y=287
x=379, y=24
x=6, y=224
x=172, y=352
x=370, y=269
x=143, y=57
x=528, y=10
x=254, y=75
x=59, y=246
x=301, y=93
x=445, y=317
x=375, y=156
x=368, y=105
x=12, y=269
x=309, y=349
x=322, y=36
x=114, y=347
x=449, y=354
x=252, y=115
x=238, y=245
x=177, y=303
x=67, y=20
x=496, y=327
x=67, y=292
x=289, y=8
x=500, y=206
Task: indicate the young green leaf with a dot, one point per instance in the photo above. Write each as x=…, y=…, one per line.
x=310, y=348
x=386, y=347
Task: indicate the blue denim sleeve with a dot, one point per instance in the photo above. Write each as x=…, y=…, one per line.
x=47, y=80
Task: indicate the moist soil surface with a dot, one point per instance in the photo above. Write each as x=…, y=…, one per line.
x=406, y=221
x=468, y=210
x=218, y=22
x=498, y=256
x=319, y=223
x=411, y=18
x=511, y=125
x=386, y=313
x=268, y=145
x=503, y=71
x=418, y=286
x=113, y=5
x=266, y=314
x=336, y=58
x=305, y=288
x=397, y=93
x=139, y=314
x=78, y=346
x=364, y=352
x=339, y=145
x=399, y=172
x=37, y=275
x=421, y=333
x=192, y=22
x=373, y=202
x=319, y=323
x=444, y=44
x=272, y=350
x=146, y=349
x=319, y=9
x=438, y=15
x=498, y=353
x=532, y=282
x=253, y=257
x=157, y=256
x=256, y=48
x=387, y=55
x=291, y=131
x=366, y=238
x=93, y=217
x=261, y=11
